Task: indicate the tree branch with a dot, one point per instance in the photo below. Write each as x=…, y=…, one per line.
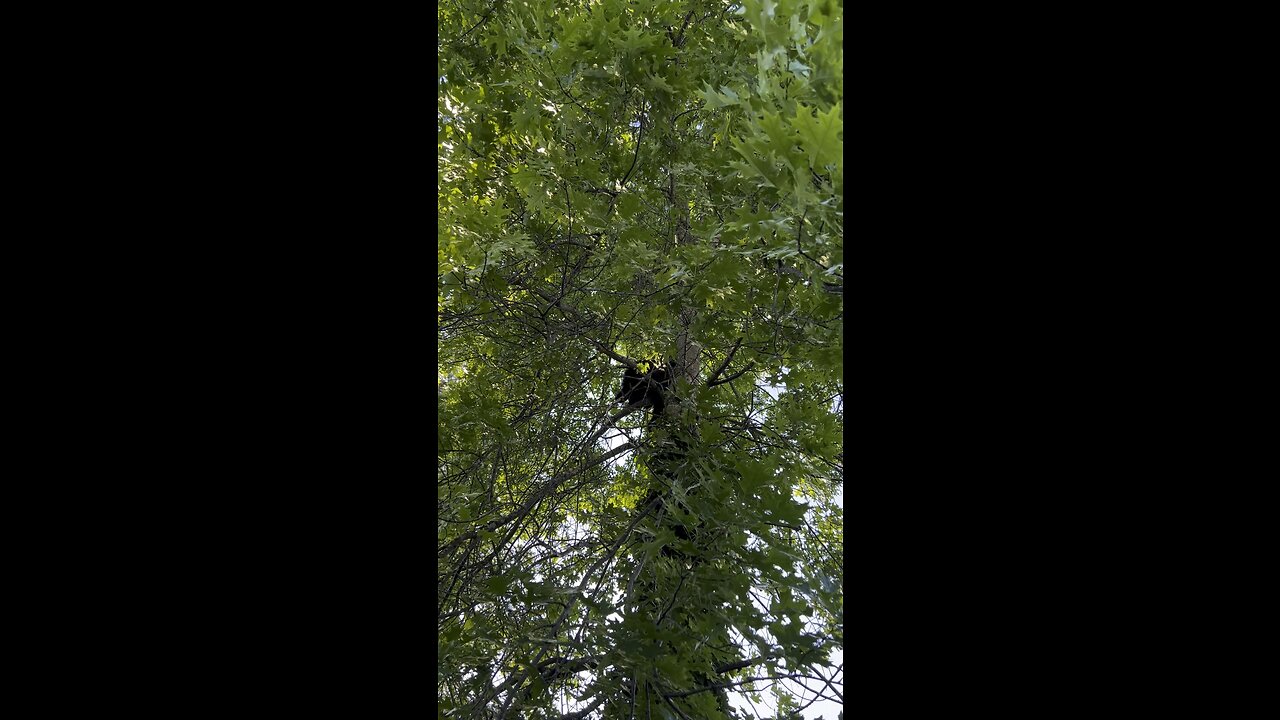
x=537, y=497
x=799, y=229
x=576, y=595
x=734, y=376
x=686, y=112
x=556, y=302
x=677, y=39
x=569, y=95
x=734, y=683
x=715, y=375
x=461, y=37
x=730, y=667
x=667, y=699
x=639, y=137
x=583, y=713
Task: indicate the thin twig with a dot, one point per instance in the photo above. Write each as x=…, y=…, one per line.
x=538, y=496
x=667, y=699
x=799, y=228
x=569, y=95
x=639, y=138
x=724, y=364
x=734, y=376
x=492, y=7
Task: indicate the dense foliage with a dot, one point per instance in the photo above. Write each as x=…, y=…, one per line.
x=622, y=181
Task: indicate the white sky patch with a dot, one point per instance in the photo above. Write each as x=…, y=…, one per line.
x=610, y=441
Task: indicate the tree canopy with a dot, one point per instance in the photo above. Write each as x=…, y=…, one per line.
x=627, y=185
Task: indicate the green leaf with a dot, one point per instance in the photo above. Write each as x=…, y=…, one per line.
x=628, y=206
x=657, y=82
x=820, y=136
x=635, y=39
x=716, y=99
x=782, y=137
